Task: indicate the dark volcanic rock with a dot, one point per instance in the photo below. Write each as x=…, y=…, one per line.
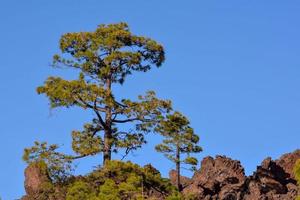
x=219, y=178
x=223, y=179
x=287, y=162
x=274, y=179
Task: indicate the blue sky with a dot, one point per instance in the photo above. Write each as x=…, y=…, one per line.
x=232, y=67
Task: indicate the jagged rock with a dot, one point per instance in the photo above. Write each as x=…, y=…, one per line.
x=220, y=175
x=219, y=178
x=185, y=181
x=36, y=179
x=287, y=162
x=35, y=176
x=223, y=179
x=274, y=179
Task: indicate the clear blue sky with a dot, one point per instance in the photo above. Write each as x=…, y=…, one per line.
x=233, y=67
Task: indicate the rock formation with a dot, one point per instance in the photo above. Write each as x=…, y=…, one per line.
x=35, y=176
x=223, y=179
x=219, y=178
x=185, y=181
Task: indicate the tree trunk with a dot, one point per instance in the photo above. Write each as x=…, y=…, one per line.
x=178, y=169
x=107, y=146
x=108, y=129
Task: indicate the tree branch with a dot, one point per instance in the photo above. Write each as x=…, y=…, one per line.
x=131, y=120
x=125, y=120
x=98, y=115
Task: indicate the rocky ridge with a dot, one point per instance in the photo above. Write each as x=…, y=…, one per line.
x=222, y=178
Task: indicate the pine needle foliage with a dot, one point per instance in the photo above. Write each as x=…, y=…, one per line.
x=179, y=139
x=103, y=58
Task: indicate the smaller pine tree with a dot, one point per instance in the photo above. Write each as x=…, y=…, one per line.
x=179, y=138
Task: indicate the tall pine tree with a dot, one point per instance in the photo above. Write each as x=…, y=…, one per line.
x=104, y=57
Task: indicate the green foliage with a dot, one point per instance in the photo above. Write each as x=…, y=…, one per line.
x=49, y=190
x=111, y=50
x=297, y=170
x=104, y=57
x=109, y=191
x=117, y=180
x=131, y=178
x=178, y=196
x=175, y=196
x=120, y=181
x=58, y=164
x=64, y=93
x=297, y=173
x=79, y=191
x=179, y=138
x=85, y=143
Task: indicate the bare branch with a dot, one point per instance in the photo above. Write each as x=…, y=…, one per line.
x=131, y=120
x=125, y=120
x=127, y=151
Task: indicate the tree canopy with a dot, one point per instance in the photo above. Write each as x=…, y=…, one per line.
x=105, y=57
x=179, y=138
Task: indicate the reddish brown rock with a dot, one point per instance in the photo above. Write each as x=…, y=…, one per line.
x=274, y=179
x=221, y=176
x=185, y=181
x=287, y=162
x=223, y=179
x=35, y=176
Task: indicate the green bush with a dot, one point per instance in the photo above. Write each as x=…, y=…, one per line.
x=120, y=181
x=80, y=190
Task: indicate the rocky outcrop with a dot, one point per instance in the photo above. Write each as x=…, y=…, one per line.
x=222, y=178
x=185, y=181
x=270, y=181
x=35, y=176
x=287, y=162
x=219, y=178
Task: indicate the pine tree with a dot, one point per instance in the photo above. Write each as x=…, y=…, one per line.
x=179, y=138
x=105, y=57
